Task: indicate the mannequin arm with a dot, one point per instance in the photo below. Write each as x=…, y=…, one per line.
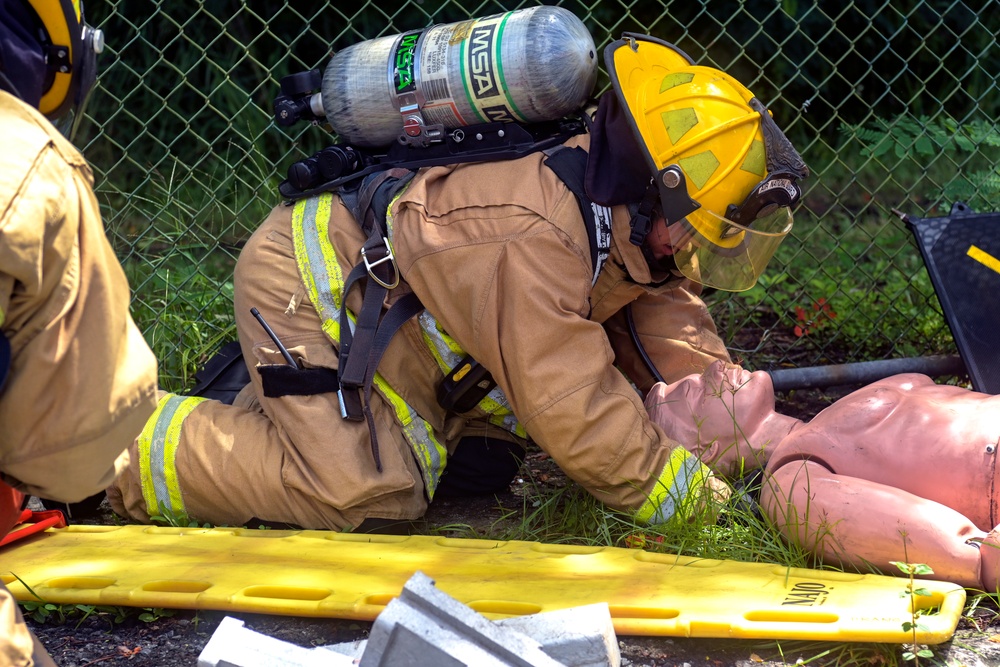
x=854, y=521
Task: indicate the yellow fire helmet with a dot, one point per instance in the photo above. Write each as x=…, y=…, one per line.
x=724, y=175
x=71, y=48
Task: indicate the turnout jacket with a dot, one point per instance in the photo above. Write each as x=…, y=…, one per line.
x=82, y=380
x=499, y=256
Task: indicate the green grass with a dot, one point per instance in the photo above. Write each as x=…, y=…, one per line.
x=185, y=310
x=179, y=246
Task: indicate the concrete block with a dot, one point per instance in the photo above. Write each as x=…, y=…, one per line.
x=577, y=637
x=581, y=636
x=428, y=627
x=424, y=627
x=233, y=645
x=353, y=650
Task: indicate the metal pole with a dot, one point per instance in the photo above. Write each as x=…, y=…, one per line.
x=864, y=372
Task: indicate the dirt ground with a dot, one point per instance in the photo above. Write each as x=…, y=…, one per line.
x=176, y=640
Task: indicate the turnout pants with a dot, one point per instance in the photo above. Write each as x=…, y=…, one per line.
x=288, y=459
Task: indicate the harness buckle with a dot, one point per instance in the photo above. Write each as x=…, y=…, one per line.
x=389, y=257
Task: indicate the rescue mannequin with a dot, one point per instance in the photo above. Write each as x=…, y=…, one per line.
x=901, y=456
x=500, y=258
x=78, y=378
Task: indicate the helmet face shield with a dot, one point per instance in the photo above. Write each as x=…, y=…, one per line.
x=721, y=253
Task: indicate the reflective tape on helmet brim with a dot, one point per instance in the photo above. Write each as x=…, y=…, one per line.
x=678, y=491
x=708, y=251
x=157, y=445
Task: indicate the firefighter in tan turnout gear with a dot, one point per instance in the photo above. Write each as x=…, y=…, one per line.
x=79, y=380
x=548, y=293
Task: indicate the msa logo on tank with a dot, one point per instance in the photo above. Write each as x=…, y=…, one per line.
x=484, y=83
x=404, y=62
x=481, y=65
x=498, y=114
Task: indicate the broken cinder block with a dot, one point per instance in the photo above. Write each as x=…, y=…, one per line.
x=233, y=645
x=425, y=627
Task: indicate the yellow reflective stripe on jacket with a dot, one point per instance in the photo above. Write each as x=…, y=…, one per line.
x=430, y=454
x=319, y=266
x=317, y=259
x=158, y=453
x=447, y=352
x=443, y=347
x=681, y=485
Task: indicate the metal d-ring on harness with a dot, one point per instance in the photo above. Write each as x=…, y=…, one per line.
x=389, y=257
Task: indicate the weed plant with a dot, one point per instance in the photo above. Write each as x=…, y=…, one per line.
x=179, y=246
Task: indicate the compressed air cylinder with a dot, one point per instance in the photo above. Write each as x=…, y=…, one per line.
x=527, y=65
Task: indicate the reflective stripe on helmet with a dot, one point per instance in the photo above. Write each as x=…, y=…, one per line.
x=158, y=452
x=323, y=277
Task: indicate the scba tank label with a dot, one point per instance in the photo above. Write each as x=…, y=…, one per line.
x=484, y=78
x=481, y=64
x=498, y=113
x=404, y=62
x=807, y=594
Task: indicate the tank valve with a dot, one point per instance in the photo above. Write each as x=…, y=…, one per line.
x=299, y=100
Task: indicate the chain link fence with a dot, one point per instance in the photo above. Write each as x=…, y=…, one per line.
x=892, y=104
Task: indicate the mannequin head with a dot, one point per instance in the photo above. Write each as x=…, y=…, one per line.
x=724, y=415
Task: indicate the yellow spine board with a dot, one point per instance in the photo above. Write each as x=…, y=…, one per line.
x=353, y=576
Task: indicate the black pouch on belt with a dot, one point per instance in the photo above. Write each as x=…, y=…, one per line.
x=464, y=386
x=223, y=375
x=283, y=380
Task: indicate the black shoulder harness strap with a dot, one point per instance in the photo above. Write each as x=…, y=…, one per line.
x=369, y=200
x=570, y=165
x=362, y=349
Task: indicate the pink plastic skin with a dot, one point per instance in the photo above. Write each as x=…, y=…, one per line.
x=725, y=416
x=901, y=470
